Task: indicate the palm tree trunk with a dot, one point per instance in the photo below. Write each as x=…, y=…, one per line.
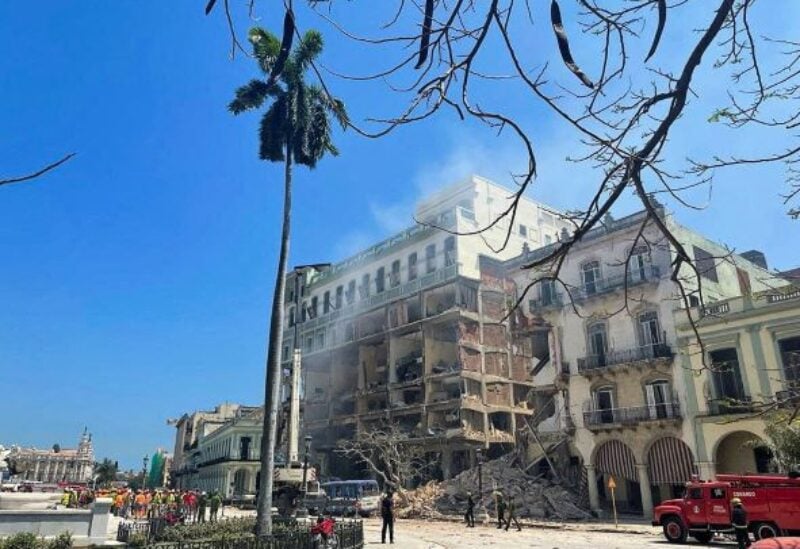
x=273, y=377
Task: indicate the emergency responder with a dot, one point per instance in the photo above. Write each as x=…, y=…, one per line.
x=510, y=514
x=469, y=516
x=501, y=508
x=739, y=521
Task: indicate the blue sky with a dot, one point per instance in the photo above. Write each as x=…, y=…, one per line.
x=135, y=280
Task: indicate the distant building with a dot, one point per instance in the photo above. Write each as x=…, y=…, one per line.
x=53, y=465
x=191, y=429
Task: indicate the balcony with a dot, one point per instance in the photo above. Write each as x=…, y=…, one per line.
x=555, y=299
x=730, y=405
x=625, y=417
x=611, y=283
x=596, y=364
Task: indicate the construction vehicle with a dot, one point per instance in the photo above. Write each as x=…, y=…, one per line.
x=772, y=503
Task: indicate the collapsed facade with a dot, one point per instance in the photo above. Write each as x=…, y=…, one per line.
x=409, y=332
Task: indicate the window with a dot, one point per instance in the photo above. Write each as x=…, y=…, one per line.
x=351, y=292
x=394, y=278
x=321, y=340
x=291, y=316
x=718, y=493
x=790, y=357
x=303, y=309
x=314, y=308
x=363, y=290
x=412, y=266
x=450, y=251
x=726, y=376
x=309, y=344
x=695, y=493
x=548, y=239
x=591, y=277
x=285, y=353
x=523, y=231
x=430, y=258
x=705, y=264
x=326, y=302
x=380, y=280
x=659, y=402
x=637, y=266
x=244, y=448
x=339, y=295
x=598, y=342
x=547, y=292
x=603, y=398
x=649, y=330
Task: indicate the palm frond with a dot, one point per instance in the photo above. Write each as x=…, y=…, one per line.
x=307, y=50
x=250, y=96
x=266, y=48
x=272, y=132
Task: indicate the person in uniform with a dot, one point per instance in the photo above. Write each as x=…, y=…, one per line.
x=469, y=516
x=501, y=509
x=739, y=521
x=510, y=514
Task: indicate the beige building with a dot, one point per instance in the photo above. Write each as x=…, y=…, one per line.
x=53, y=465
x=750, y=362
x=614, y=378
x=190, y=429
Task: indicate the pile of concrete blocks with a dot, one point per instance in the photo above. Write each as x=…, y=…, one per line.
x=536, y=498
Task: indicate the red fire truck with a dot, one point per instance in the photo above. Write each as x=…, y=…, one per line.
x=772, y=504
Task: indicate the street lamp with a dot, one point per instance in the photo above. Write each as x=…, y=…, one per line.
x=145, y=459
x=304, y=486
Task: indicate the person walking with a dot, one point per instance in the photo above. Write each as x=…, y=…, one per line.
x=469, y=516
x=387, y=514
x=739, y=521
x=216, y=501
x=510, y=514
x=500, y=504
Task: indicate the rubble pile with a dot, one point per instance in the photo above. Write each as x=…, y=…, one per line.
x=536, y=498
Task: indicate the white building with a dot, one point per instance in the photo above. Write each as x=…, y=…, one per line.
x=610, y=367
x=53, y=465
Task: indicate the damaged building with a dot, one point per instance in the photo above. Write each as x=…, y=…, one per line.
x=411, y=331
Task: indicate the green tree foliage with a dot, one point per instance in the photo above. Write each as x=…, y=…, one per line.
x=783, y=433
x=105, y=471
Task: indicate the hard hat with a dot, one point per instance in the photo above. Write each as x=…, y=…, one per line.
x=736, y=501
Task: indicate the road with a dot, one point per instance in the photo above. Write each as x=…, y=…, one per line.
x=418, y=534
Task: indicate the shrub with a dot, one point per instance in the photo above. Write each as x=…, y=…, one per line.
x=27, y=540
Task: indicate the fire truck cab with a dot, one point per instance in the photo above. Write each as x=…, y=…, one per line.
x=772, y=504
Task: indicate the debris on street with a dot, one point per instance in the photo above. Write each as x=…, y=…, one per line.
x=534, y=497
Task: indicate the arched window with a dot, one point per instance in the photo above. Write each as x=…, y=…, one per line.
x=603, y=407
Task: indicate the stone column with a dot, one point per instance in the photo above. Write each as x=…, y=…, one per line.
x=591, y=478
x=644, y=487
x=36, y=469
x=707, y=470
x=447, y=462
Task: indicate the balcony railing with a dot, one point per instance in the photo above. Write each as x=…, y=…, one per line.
x=555, y=299
x=626, y=356
x=632, y=415
x=741, y=404
x=617, y=282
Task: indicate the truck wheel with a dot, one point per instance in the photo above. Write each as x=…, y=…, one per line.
x=764, y=530
x=674, y=530
x=703, y=537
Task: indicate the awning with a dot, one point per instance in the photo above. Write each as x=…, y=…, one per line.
x=616, y=459
x=670, y=461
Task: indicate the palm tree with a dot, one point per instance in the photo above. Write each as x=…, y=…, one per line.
x=105, y=471
x=295, y=128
